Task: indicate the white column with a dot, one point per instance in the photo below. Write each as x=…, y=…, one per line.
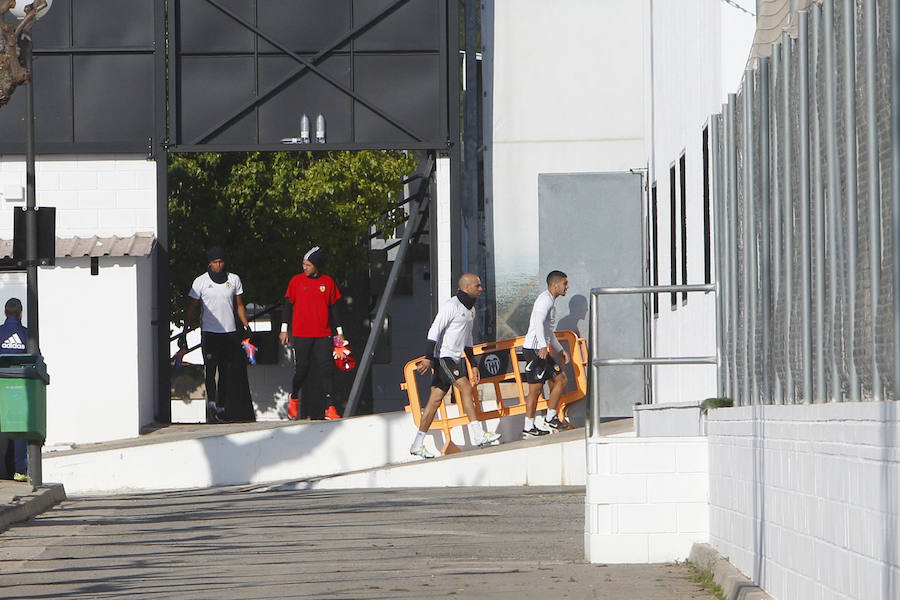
x=442, y=206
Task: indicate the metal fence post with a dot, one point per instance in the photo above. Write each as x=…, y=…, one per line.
x=731, y=164
x=819, y=202
x=765, y=259
x=724, y=381
x=850, y=198
x=805, y=263
x=874, y=187
x=749, y=283
x=895, y=186
x=788, y=207
x=832, y=197
x=777, y=212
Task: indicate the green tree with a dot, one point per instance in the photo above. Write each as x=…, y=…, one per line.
x=268, y=209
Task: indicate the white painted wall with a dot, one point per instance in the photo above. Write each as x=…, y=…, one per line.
x=97, y=341
x=805, y=500
x=95, y=330
x=582, y=86
x=700, y=48
x=647, y=498
x=565, y=82
x=334, y=452
x=97, y=195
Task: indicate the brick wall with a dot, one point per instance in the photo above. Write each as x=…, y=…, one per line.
x=805, y=499
x=100, y=195
x=646, y=498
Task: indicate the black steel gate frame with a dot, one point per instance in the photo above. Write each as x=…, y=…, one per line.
x=163, y=128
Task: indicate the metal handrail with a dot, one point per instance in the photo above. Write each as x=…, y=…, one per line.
x=593, y=392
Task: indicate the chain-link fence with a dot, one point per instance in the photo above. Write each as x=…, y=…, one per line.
x=804, y=161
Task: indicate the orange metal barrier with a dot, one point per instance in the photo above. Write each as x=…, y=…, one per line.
x=500, y=368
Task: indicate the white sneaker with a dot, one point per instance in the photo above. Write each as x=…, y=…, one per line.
x=488, y=438
x=421, y=451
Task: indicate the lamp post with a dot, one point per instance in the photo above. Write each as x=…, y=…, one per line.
x=23, y=11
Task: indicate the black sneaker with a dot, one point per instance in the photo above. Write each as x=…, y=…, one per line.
x=534, y=432
x=557, y=425
x=214, y=414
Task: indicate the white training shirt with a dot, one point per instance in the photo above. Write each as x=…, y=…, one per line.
x=542, y=324
x=217, y=300
x=452, y=329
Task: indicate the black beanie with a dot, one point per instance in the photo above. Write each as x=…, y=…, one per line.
x=315, y=256
x=215, y=253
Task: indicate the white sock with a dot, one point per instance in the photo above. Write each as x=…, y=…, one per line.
x=476, y=431
x=550, y=414
x=420, y=440
x=529, y=423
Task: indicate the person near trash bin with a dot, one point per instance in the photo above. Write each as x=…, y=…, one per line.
x=13, y=336
x=449, y=338
x=543, y=355
x=310, y=310
x=218, y=295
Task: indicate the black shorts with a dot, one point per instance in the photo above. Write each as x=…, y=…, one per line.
x=448, y=370
x=537, y=369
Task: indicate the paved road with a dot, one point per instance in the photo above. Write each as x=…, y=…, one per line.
x=252, y=543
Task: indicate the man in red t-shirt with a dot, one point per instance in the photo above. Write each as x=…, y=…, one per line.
x=309, y=307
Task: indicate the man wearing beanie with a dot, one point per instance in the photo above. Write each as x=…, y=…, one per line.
x=218, y=294
x=310, y=311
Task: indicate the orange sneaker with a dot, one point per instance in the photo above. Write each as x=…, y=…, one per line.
x=293, y=408
x=331, y=413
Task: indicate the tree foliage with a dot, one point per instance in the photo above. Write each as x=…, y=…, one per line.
x=268, y=209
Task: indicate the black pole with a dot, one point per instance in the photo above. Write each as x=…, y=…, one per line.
x=32, y=343
x=160, y=151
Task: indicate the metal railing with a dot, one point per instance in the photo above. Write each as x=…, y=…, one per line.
x=593, y=390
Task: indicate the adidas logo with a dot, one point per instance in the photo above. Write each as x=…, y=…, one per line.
x=13, y=341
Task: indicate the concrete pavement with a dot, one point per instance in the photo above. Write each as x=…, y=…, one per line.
x=253, y=542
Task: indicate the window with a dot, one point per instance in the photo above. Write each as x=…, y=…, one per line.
x=682, y=172
x=654, y=239
x=673, y=235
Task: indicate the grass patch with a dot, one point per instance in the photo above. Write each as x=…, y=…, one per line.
x=705, y=580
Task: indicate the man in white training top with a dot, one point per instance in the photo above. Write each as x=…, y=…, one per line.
x=449, y=337
x=543, y=355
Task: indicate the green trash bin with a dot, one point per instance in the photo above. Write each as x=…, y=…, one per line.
x=23, y=396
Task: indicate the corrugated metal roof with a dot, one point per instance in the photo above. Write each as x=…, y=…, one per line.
x=139, y=244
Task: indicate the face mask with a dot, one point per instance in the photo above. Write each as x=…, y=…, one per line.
x=220, y=277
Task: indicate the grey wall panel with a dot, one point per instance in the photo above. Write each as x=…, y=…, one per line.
x=125, y=115
x=410, y=28
x=54, y=30
x=204, y=28
x=318, y=22
x=407, y=87
x=209, y=88
x=94, y=80
x=590, y=228
x=279, y=116
x=91, y=23
x=53, y=119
